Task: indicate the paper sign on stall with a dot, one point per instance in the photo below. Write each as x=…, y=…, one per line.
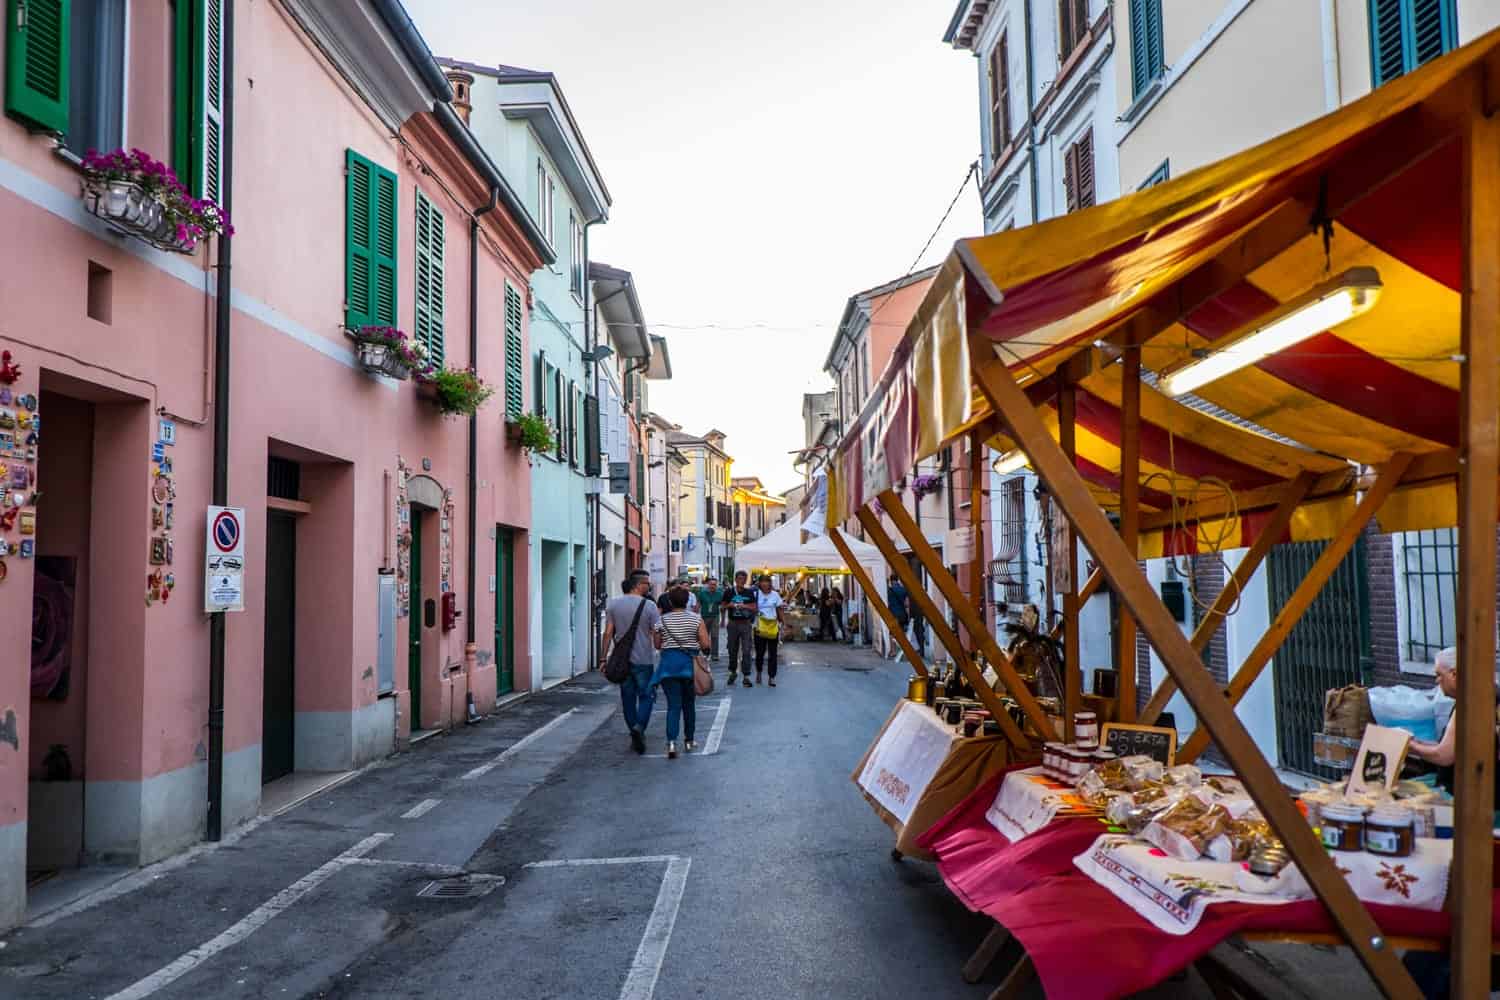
x=902, y=764
x=1382, y=753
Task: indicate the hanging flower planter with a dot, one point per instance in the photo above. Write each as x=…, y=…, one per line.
x=532, y=433
x=458, y=392
x=139, y=196
x=385, y=350
x=925, y=485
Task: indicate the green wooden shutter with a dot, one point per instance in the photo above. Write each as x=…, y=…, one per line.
x=515, y=357
x=1147, y=60
x=198, y=96
x=560, y=408
x=427, y=290
x=36, y=63
x=591, y=443
x=539, y=380
x=212, y=120
x=1434, y=29
x=369, y=243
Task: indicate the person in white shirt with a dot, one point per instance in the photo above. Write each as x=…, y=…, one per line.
x=771, y=613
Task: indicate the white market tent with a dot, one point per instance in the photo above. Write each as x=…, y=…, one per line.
x=782, y=551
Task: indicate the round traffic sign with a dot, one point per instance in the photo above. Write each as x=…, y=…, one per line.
x=226, y=531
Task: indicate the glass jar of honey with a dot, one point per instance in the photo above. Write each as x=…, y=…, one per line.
x=1389, y=830
x=1343, y=826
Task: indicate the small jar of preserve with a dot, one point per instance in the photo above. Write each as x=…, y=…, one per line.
x=1389, y=830
x=1052, y=758
x=1086, y=730
x=1343, y=826
x=1078, y=763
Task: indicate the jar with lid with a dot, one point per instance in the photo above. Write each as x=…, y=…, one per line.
x=916, y=688
x=1102, y=757
x=1343, y=826
x=1078, y=763
x=1086, y=730
x=1052, y=757
x=1389, y=830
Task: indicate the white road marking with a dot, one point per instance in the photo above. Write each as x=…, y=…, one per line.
x=645, y=969
x=250, y=923
x=640, y=983
x=518, y=746
x=421, y=809
x=715, y=734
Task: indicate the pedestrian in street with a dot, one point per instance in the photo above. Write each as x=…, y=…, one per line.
x=739, y=608
x=897, y=599
x=825, y=615
x=636, y=694
x=770, y=613
x=680, y=634
x=919, y=632
x=709, y=598
x=836, y=614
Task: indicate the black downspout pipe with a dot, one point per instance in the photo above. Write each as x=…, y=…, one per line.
x=1031, y=118
x=592, y=367
x=471, y=597
x=222, y=314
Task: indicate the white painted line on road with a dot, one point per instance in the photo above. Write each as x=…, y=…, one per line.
x=645, y=969
x=421, y=809
x=250, y=923
x=716, y=733
x=518, y=746
x=639, y=859
x=640, y=983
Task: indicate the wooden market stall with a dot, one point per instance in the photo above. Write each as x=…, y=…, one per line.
x=1290, y=344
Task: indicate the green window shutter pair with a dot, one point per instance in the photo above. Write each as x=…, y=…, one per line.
x=198, y=102
x=369, y=243
x=1404, y=34
x=36, y=62
x=591, y=432
x=514, y=356
x=427, y=291
x=1147, y=58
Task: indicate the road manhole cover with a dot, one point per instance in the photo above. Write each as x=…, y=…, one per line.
x=461, y=887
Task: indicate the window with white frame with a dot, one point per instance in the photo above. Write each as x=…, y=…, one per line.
x=1426, y=568
x=575, y=239
x=546, y=203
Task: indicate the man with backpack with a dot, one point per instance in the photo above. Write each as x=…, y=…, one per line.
x=632, y=619
x=739, y=608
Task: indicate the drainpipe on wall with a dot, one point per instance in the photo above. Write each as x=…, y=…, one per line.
x=1333, y=95
x=222, y=314
x=592, y=506
x=1031, y=114
x=470, y=598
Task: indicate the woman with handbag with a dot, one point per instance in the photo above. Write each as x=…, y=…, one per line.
x=771, y=613
x=680, y=636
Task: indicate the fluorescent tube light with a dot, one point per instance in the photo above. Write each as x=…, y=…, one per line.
x=1351, y=294
x=1011, y=461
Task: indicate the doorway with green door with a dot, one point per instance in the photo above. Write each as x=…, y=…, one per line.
x=505, y=610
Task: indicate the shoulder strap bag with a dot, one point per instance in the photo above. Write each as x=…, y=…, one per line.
x=617, y=667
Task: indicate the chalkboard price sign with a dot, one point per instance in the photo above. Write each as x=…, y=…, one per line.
x=1156, y=742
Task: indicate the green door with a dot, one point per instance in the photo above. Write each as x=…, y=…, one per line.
x=415, y=621
x=505, y=610
x=279, y=679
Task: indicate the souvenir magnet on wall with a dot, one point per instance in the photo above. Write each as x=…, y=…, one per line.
x=164, y=467
x=8, y=372
x=20, y=476
x=28, y=548
x=159, y=550
x=157, y=518
x=153, y=587
x=4, y=548
x=7, y=418
x=28, y=522
x=23, y=420
x=27, y=401
x=168, y=511
x=166, y=431
x=158, y=452
x=5, y=396
x=32, y=437
x=162, y=491
x=36, y=421
x=8, y=519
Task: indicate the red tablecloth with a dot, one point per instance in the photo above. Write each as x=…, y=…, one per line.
x=1083, y=941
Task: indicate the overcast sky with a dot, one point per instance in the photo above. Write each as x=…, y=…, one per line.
x=766, y=161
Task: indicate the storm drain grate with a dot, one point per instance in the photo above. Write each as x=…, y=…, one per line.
x=461, y=887
x=859, y=670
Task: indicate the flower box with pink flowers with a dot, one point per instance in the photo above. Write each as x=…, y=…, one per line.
x=385, y=350
x=140, y=196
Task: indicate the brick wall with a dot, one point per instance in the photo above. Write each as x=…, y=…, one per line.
x=1384, y=644
x=1208, y=583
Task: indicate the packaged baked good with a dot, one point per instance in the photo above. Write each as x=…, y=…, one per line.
x=1184, y=829
x=1183, y=774
x=1241, y=838
x=1141, y=769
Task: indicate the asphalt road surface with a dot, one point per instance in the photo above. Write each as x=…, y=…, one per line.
x=535, y=856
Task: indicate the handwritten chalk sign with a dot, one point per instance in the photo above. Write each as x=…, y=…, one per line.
x=1156, y=742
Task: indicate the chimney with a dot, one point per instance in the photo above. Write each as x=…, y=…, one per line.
x=462, y=84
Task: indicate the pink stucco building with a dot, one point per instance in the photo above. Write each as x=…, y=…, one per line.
x=363, y=505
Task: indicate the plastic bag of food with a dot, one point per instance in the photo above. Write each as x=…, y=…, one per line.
x=1346, y=711
x=1142, y=769
x=1408, y=708
x=1185, y=829
x=1183, y=774
x=1242, y=837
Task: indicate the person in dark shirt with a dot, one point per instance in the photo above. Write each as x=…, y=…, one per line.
x=739, y=610
x=897, y=599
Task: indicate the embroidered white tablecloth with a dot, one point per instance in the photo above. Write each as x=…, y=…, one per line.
x=908, y=754
x=1026, y=802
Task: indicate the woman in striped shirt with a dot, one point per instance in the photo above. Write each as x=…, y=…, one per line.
x=681, y=635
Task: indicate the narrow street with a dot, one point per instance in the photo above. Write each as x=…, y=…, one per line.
x=752, y=870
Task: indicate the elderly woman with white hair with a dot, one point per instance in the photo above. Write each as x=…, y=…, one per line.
x=1443, y=751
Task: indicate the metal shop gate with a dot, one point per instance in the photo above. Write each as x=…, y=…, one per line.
x=1328, y=648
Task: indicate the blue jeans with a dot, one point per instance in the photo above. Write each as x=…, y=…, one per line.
x=682, y=700
x=637, y=696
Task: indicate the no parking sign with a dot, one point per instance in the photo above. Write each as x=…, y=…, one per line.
x=224, y=560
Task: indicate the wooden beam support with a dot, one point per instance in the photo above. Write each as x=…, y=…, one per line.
x=977, y=566
x=877, y=601
x=1307, y=591
x=1067, y=440
x=1271, y=534
x=937, y=622
x=954, y=595
x=1478, y=467
x=1183, y=662
x=1130, y=518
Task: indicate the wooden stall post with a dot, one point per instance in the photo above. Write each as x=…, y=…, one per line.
x=876, y=601
x=1183, y=662
x=954, y=595
x=1067, y=413
x=1302, y=598
x=935, y=621
x=1270, y=535
x=977, y=568
x=1478, y=467
x=1130, y=519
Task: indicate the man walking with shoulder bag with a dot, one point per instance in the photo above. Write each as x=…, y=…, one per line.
x=629, y=653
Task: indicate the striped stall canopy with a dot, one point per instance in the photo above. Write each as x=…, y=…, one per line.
x=1176, y=269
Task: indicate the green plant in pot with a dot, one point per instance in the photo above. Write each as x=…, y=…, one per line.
x=533, y=432
x=457, y=391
